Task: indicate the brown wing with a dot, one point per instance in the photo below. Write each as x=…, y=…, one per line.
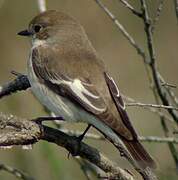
x=80, y=91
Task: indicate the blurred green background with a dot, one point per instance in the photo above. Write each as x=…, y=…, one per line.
x=47, y=161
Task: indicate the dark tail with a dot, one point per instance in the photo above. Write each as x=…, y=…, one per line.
x=139, y=154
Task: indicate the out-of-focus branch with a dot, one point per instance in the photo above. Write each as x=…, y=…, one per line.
x=41, y=5
x=15, y=172
x=18, y=131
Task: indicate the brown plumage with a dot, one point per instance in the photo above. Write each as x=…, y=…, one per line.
x=64, y=65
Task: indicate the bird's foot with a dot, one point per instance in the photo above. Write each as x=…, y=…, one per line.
x=77, y=147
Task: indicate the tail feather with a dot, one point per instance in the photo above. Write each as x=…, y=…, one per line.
x=139, y=154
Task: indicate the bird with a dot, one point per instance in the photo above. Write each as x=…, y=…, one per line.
x=69, y=78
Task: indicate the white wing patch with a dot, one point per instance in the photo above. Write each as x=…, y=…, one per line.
x=118, y=92
x=80, y=91
x=77, y=83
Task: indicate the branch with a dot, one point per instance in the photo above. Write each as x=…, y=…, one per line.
x=19, y=84
x=18, y=131
x=131, y=8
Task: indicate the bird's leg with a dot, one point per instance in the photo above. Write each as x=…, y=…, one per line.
x=39, y=120
x=79, y=140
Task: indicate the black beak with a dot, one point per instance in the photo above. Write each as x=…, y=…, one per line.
x=24, y=33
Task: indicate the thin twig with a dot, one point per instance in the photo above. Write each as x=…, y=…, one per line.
x=169, y=85
x=155, y=139
x=157, y=112
x=159, y=106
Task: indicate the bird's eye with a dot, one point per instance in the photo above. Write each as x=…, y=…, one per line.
x=37, y=28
